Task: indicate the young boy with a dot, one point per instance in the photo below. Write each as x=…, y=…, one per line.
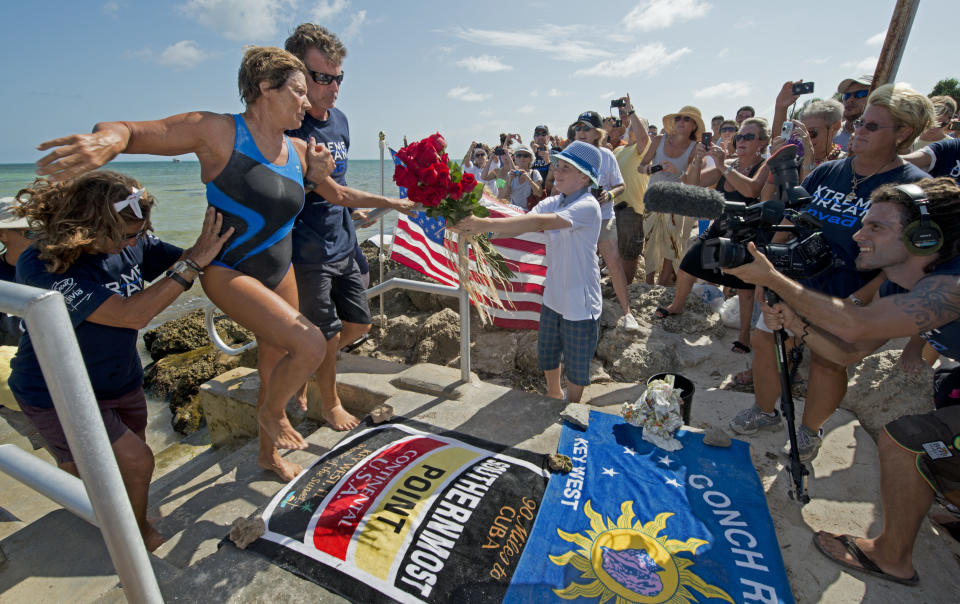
x=570, y=316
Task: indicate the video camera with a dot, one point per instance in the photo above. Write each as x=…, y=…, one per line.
x=807, y=255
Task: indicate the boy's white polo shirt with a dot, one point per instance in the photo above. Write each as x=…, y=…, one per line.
x=572, y=285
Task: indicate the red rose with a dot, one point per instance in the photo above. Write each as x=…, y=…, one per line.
x=455, y=190
x=468, y=181
x=437, y=141
x=430, y=176
x=403, y=177
x=431, y=197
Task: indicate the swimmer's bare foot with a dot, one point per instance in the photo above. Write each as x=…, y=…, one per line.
x=279, y=431
x=339, y=418
x=286, y=470
x=152, y=539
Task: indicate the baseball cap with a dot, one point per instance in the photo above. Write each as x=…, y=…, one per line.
x=584, y=157
x=592, y=118
x=864, y=80
x=541, y=128
x=8, y=217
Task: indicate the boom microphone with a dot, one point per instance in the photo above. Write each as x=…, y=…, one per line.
x=685, y=200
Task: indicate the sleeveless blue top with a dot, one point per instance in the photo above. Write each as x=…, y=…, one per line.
x=260, y=200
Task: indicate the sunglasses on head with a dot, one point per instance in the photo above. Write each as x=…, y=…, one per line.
x=745, y=137
x=325, y=78
x=682, y=118
x=857, y=95
x=728, y=129
x=870, y=126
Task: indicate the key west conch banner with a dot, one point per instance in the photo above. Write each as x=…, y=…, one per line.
x=634, y=523
x=393, y=513
x=399, y=513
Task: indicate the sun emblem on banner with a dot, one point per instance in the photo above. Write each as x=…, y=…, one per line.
x=631, y=562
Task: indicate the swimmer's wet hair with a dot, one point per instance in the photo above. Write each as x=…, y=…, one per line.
x=265, y=63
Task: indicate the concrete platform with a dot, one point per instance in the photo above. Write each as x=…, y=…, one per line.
x=198, y=502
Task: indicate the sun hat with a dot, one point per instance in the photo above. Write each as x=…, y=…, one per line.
x=590, y=117
x=522, y=149
x=584, y=157
x=690, y=111
x=9, y=218
x=864, y=80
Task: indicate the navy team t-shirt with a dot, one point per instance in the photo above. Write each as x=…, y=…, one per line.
x=948, y=158
x=109, y=353
x=946, y=338
x=829, y=185
x=323, y=232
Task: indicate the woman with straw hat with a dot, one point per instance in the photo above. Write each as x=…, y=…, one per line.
x=668, y=159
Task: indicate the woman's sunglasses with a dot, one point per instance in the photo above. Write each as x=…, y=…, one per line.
x=582, y=128
x=325, y=78
x=745, y=137
x=870, y=126
x=857, y=95
x=682, y=118
x=728, y=129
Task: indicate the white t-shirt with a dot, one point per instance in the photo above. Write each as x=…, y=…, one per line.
x=490, y=184
x=572, y=285
x=521, y=189
x=610, y=177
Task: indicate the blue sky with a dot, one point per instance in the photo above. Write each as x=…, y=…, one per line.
x=468, y=69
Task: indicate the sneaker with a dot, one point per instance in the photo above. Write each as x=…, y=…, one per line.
x=808, y=443
x=752, y=419
x=628, y=323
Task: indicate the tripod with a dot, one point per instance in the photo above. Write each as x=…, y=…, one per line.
x=798, y=470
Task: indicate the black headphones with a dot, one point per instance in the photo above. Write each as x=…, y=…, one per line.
x=922, y=237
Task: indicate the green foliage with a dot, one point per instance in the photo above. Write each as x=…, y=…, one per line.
x=948, y=87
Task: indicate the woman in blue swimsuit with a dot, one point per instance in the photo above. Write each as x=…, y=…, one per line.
x=254, y=177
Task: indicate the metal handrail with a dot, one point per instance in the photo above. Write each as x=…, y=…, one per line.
x=65, y=374
x=208, y=317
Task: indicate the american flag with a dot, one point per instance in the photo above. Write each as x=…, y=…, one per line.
x=418, y=243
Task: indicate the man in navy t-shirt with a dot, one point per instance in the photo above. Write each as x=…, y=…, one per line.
x=13, y=236
x=941, y=158
x=919, y=454
x=332, y=294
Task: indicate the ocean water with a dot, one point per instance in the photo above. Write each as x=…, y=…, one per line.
x=182, y=201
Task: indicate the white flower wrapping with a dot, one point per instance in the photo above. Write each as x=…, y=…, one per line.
x=658, y=413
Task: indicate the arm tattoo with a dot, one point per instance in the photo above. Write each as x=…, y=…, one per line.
x=934, y=302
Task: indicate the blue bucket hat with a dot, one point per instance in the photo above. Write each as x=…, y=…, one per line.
x=584, y=157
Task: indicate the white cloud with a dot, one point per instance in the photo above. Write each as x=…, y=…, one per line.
x=563, y=42
x=182, y=55
x=555, y=93
x=723, y=52
x=327, y=9
x=243, y=20
x=724, y=89
x=465, y=94
x=818, y=61
x=877, y=39
x=647, y=59
x=111, y=8
x=527, y=109
x=867, y=65
x=486, y=113
x=608, y=95
x=352, y=30
x=484, y=63
x=534, y=93
x=661, y=14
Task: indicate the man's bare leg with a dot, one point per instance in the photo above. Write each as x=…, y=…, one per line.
x=630, y=269
x=825, y=390
x=905, y=497
x=326, y=378
x=611, y=256
x=681, y=292
x=766, y=377
x=574, y=392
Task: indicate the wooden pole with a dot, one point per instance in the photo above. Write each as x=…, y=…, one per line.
x=895, y=42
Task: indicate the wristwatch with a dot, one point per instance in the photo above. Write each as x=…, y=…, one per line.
x=176, y=273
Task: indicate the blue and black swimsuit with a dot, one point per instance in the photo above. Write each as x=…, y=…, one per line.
x=260, y=200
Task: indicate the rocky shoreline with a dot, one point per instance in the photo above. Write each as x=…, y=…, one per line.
x=424, y=328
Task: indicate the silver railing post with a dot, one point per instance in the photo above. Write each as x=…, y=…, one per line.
x=55, y=344
x=381, y=255
x=464, y=320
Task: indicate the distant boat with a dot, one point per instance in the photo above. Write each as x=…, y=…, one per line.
x=176, y=161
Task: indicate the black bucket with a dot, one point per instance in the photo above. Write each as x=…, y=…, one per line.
x=686, y=392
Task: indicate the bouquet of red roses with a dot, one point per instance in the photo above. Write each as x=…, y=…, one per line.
x=447, y=192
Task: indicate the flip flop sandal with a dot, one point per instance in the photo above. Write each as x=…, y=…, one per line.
x=866, y=564
x=663, y=313
x=740, y=348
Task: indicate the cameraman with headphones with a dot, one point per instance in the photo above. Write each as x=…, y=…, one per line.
x=912, y=233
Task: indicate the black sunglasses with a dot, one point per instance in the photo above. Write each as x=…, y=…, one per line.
x=812, y=132
x=325, y=78
x=138, y=235
x=744, y=137
x=728, y=129
x=582, y=128
x=870, y=126
x=685, y=118
x=857, y=95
